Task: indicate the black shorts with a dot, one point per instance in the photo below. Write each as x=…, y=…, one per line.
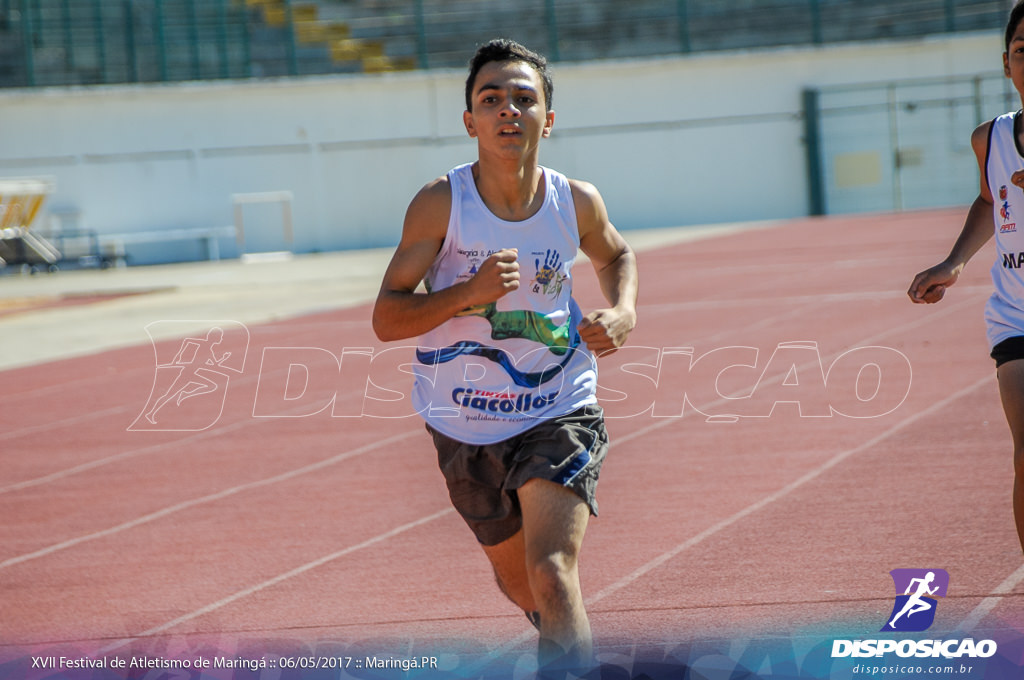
x=483, y=480
x=1010, y=349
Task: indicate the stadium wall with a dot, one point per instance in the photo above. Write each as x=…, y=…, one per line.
x=695, y=139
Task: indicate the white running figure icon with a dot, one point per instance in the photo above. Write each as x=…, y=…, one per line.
x=917, y=603
x=191, y=369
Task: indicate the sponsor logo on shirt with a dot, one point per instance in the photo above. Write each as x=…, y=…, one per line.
x=1013, y=260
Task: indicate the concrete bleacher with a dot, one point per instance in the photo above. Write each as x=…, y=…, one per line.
x=82, y=42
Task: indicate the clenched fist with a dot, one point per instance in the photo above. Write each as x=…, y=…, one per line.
x=496, y=277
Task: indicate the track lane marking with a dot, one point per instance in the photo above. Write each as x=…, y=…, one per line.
x=213, y=606
x=986, y=606
x=184, y=505
x=665, y=557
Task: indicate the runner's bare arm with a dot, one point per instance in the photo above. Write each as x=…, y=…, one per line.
x=930, y=285
x=400, y=312
x=605, y=330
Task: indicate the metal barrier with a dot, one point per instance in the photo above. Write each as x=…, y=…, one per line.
x=76, y=42
x=904, y=145
x=114, y=252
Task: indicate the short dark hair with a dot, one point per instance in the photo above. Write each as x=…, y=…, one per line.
x=1016, y=14
x=502, y=49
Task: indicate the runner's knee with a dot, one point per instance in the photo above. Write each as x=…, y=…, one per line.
x=553, y=577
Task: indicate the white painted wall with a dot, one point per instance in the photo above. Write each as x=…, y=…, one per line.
x=674, y=141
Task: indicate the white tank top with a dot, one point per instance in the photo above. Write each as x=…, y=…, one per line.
x=1004, y=315
x=494, y=371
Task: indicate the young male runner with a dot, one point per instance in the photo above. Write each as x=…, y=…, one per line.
x=999, y=148
x=507, y=374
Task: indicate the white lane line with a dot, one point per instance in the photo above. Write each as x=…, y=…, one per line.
x=277, y=579
x=65, y=422
x=124, y=455
x=787, y=300
x=184, y=505
x=665, y=557
x=92, y=415
x=84, y=467
x=989, y=603
x=783, y=492
x=813, y=474
x=529, y=633
x=132, y=453
x=871, y=339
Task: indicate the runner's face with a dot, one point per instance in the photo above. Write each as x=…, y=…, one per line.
x=509, y=113
x=1013, y=60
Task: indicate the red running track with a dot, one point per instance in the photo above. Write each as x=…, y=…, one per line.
x=297, y=531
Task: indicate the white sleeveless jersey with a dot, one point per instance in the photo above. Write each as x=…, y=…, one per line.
x=1004, y=315
x=496, y=370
